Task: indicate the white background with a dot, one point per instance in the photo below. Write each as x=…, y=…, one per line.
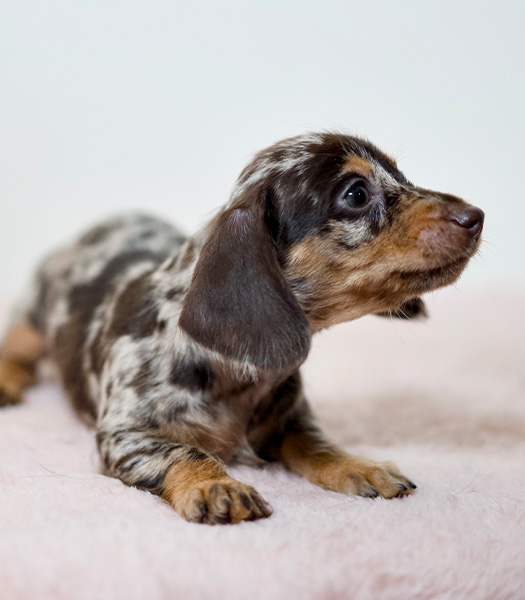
x=107, y=106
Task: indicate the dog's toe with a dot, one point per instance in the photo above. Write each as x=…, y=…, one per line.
x=363, y=477
x=221, y=502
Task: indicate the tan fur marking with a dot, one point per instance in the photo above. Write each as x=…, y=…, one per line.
x=23, y=343
x=345, y=285
x=14, y=378
x=341, y=472
x=334, y=276
x=204, y=492
x=21, y=349
x=186, y=475
x=358, y=165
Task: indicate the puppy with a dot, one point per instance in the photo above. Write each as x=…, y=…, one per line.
x=184, y=352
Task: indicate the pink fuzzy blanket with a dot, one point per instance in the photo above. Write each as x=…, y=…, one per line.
x=444, y=399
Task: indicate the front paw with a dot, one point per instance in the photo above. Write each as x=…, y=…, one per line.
x=362, y=477
x=222, y=501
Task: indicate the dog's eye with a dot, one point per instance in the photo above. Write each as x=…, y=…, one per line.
x=356, y=196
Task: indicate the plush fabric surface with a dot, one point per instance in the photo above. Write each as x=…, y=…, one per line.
x=445, y=399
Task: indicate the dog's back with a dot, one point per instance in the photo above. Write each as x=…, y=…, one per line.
x=76, y=286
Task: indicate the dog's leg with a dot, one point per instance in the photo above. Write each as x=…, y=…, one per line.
x=192, y=481
x=20, y=351
x=199, y=488
x=307, y=452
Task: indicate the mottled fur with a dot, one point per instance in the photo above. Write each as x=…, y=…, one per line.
x=184, y=352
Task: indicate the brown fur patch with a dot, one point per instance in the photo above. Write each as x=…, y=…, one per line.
x=135, y=312
x=68, y=354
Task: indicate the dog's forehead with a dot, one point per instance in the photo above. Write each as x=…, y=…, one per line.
x=351, y=154
x=315, y=161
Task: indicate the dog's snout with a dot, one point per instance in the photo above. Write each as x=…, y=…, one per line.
x=470, y=218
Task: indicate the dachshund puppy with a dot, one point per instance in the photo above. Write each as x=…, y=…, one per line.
x=184, y=352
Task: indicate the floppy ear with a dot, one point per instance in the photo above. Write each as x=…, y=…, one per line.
x=413, y=309
x=238, y=303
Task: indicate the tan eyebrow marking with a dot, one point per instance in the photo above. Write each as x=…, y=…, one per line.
x=358, y=165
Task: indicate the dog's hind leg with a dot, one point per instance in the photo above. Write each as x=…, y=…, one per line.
x=20, y=351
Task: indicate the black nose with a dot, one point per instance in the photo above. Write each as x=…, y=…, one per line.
x=470, y=218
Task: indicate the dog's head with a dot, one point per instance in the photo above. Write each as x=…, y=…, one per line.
x=321, y=229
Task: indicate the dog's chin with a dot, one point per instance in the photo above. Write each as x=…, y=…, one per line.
x=423, y=280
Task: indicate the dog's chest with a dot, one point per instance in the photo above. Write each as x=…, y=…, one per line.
x=235, y=416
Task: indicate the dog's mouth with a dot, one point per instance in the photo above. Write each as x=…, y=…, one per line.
x=442, y=268
x=428, y=279
x=444, y=249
